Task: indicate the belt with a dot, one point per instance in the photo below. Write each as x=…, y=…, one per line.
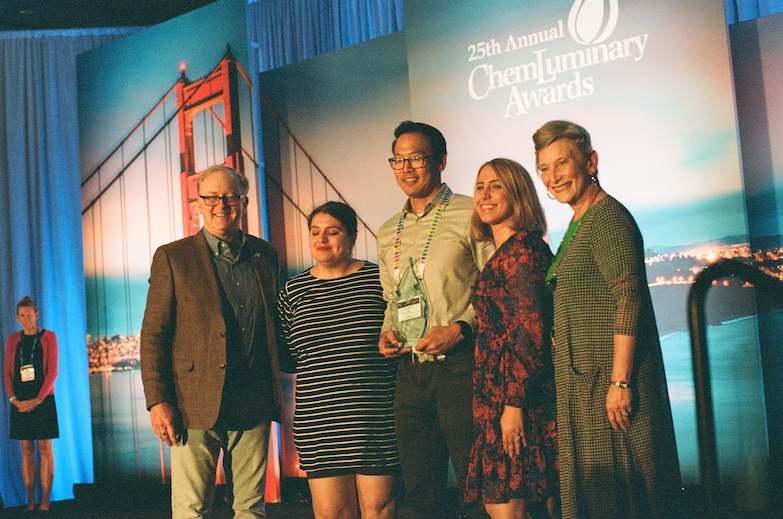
x=421, y=358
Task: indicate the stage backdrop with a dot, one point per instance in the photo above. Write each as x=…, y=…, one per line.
x=155, y=108
x=650, y=81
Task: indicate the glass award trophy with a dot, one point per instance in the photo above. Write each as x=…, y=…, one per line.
x=409, y=306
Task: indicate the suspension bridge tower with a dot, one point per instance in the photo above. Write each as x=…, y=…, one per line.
x=220, y=86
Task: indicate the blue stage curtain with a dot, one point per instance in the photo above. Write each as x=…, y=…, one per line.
x=285, y=31
x=743, y=10
x=41, y=233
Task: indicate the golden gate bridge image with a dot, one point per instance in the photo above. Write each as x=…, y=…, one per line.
x=143, y=194
x=203, y=110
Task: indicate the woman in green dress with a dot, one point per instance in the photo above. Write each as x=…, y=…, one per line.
x=618, y=457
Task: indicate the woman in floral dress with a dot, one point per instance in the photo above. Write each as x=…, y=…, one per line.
x=513, y=462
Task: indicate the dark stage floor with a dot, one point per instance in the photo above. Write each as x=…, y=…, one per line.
x=73, y=510
x=140, y=503
x=152, y=502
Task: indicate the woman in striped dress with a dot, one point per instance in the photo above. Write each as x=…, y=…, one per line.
x=343, y=422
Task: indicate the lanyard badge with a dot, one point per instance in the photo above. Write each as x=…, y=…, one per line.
x=27, y=371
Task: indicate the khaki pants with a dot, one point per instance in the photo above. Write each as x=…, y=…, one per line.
x=194, y=464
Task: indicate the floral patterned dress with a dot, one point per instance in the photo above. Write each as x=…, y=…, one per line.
x=513, y=366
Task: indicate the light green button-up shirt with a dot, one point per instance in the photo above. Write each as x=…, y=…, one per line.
x=452, y=265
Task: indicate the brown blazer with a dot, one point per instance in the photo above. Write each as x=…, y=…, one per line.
x=183, y=334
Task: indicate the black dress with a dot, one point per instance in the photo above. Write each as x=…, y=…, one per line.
x=41, y=422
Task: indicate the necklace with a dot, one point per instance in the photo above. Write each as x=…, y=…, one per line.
x=573, y=228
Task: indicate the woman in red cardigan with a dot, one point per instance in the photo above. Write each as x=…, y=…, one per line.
x=29, y=374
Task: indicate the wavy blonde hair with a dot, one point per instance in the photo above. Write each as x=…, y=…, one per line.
x=521, y=192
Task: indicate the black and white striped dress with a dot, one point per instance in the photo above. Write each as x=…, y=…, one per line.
x=343, y=422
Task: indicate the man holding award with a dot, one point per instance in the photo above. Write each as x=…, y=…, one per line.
x=428, y=264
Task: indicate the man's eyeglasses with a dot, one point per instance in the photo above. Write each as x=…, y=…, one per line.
x=415, y=162
x=213, y=200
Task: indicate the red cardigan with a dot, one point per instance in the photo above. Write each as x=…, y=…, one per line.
x=49, y=345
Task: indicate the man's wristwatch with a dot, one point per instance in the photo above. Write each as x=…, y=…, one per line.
x=622, y=384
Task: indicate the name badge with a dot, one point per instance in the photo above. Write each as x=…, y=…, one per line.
x=409, y=309
x=27, y=372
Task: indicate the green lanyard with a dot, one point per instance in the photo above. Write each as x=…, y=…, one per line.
x=573, y=227
x=444, y=200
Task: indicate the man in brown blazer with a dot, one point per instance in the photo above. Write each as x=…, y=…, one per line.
x=209, y=358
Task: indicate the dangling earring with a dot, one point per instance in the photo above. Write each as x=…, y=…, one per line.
x=594, y=179
x=550, y=195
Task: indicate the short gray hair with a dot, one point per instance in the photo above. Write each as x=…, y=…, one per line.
x=240, y=180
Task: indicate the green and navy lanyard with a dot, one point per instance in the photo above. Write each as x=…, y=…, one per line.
x=573, y=228
x=32, y=350
x=444, y=200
